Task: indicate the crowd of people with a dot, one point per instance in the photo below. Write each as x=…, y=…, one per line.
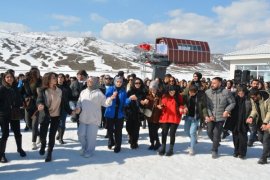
x=217, y=106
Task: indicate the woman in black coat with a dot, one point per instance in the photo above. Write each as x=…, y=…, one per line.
x=133, y=114
x=239, y=127
x=67, y=94
x=9, y=101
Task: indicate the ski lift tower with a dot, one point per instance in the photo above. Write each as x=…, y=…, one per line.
x=157, y=58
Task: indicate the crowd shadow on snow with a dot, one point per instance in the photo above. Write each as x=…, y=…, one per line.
x=66, y=157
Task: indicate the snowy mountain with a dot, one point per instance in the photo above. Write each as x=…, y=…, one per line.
x=20, y=51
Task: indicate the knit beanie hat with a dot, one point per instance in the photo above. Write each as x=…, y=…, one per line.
x=153, y=85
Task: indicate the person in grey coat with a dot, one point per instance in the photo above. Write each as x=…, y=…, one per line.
x=220, y=103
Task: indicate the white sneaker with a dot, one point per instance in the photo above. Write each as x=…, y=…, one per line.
x=188, y=149
x=191, y=152
x=34, y=146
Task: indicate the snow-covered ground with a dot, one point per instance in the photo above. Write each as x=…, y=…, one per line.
x=132, y=164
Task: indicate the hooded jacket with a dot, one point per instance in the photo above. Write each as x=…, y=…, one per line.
x=90, y=102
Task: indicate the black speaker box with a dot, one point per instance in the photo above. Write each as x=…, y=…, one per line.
x=245, y=76
x=237, y=76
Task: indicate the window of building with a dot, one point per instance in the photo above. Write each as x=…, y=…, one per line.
x=189, y=47
x=256, y=71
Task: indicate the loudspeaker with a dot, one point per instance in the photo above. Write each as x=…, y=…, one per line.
x=245, y=76
x=237, y=76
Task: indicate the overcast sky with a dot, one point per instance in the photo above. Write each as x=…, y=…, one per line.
x=227, y=25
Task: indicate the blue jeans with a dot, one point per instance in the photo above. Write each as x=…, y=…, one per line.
x=190, y=128
x=63, y=118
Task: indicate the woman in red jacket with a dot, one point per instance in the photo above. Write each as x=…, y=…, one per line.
x=172, y=108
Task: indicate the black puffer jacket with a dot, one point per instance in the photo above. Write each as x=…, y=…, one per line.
x=5, y=100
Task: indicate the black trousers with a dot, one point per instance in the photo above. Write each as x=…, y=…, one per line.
x=133, y=129
x=44, y=127
x=240, y=140
x=16, y=128
x=266, y=145
x=153, y=132
x=260, y=135
x=4, y=123
x=165, y=129
x=214, y=130
x=115, y=127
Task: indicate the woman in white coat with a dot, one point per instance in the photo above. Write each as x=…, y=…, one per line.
x=89, y=107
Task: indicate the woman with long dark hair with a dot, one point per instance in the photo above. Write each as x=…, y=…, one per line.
x=29, y=93
x=50, y=104
x=133, y=114
x=172, y=109
x=10, y=100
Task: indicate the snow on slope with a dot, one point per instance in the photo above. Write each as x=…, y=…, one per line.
x=20, y=51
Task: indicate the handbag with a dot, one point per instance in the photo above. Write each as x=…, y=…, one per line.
x=147, y=112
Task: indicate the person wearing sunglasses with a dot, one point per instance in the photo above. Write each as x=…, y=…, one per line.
x=133, y=114
x=172, y=109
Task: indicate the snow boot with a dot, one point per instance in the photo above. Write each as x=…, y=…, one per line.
x=19, y=146
x=170, y=151
x=162, y=149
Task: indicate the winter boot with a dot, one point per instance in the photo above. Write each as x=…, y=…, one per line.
x=170, y=151
x=262, y=161
x=49, y=155
x=19, y=146
x=42, y=149
x=61, y=134
x=162, y=149
x=157, y=145
x=151, y=147
x=3, y=158
x=117, y=149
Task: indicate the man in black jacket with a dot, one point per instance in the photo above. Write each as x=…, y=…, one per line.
x=76, y=87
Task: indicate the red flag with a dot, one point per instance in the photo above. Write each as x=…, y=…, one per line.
x=145, y=47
